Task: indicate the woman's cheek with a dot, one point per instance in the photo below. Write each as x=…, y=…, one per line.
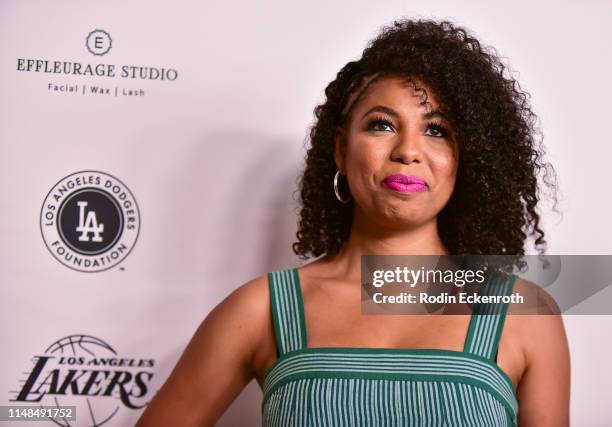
x=444, y=162
x=363, y=160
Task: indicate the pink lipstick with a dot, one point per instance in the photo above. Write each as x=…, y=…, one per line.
x=405, y=183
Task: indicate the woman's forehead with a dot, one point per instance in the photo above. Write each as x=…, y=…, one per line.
x=398, y=91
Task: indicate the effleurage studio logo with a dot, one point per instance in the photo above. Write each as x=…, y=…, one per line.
x=88, y=373
x=98, y=43
x=90, y=221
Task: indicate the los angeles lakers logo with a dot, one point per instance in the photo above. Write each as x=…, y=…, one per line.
x=90, y=221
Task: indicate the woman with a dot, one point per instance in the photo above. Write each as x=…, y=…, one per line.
x=423, y=146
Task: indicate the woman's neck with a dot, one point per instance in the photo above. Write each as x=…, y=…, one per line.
x=370, y=239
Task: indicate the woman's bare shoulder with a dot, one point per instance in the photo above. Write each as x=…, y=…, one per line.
x=221, y=352
x=250, y=295
x=535, y=299
x=236, y=326
x=537, y=321
x=247, y=306
x=544, y=387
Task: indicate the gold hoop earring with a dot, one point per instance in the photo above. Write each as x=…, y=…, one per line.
x=336, y=189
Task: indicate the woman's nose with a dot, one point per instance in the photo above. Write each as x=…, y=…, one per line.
x=408, y=147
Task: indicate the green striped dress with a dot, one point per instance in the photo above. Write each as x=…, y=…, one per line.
x=345, y=386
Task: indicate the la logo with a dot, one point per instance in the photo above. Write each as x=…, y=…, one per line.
x=88, y=224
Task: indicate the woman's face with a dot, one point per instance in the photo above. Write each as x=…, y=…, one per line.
x=399, y=155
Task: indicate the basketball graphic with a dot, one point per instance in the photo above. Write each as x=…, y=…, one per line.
x=86, y=372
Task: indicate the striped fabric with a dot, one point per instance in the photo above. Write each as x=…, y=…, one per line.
x=343, y=386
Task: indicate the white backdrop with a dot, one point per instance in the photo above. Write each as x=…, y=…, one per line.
x=212, y=158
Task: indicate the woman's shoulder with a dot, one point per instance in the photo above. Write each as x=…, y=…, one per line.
x=536, y=322
x=242, y=315
x=545, y=382
x=250, y=300
x=535, y=299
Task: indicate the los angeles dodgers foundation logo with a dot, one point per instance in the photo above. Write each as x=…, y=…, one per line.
x=90, y=221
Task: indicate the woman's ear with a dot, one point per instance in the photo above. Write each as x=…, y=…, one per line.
x=340, y=148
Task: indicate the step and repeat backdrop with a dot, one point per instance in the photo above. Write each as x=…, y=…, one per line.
x=149, y=154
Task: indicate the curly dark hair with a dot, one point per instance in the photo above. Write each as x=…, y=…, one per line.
x=493, y=207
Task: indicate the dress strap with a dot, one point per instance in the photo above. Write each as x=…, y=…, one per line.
x=487, y=321
x=287, y=310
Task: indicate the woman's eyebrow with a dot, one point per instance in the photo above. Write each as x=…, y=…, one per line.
x=435, y=113
x=382, y=109
x=428, y=115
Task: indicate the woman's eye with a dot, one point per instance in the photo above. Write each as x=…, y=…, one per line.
x=380, y=125
x=436, y=131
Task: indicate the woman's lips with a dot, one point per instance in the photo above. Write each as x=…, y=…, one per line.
x=405, y=183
